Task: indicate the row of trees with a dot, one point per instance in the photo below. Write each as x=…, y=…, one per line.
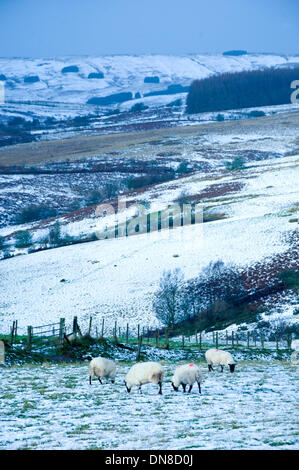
x=216, y=287
x=241, y=90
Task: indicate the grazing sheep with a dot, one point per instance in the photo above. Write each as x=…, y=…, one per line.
x=184, y=375
x=101, y=367
x=143, y=373
x=217, y=357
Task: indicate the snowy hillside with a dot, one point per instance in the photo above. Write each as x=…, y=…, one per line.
x=116, y=278
x=48, y=81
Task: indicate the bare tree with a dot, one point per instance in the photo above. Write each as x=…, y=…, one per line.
x=167, y=300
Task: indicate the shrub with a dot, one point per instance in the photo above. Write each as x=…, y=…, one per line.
x=256, y=113
x=290, y=278
x=96, y=75
x=137, y=95
x=152, y=79
x=70, y=69
x=16, y=121
x=2, y=242
x=55, y=234
x=23, y=239
x=33, y=213
x=171, y=90
x=138, y=107
x=219, y=117
x=183, y=168
x=31, y=79
x=111, y=99
x=2, y=77
x=247, y=89
x=209, y=294
x=238, y=163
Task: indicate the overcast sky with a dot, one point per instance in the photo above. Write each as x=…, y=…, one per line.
x=34, y=28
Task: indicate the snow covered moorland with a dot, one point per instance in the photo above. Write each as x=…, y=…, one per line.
x=117, y=277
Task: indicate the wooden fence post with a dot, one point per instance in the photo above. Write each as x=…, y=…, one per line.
x=237, y=339
x=75, y=328
x=213, y=337
x=148, y=336
x=102, y=333
x=226, y=338
x=166, y=339
x=200, y=340
x=277, y=343
x=127, y=333
x=183, y=342
x=196, y=337
x=255, y=340
x=262, y=341
x=233, y=342
x=138, y=331
x=16, y=328
x=115, y=332
x=289, y=340
x=61, y=331
x=89, y=326
x=29, y=337
x=216, y=339
x=248, y=339
x=139, y=348
x=156, y=337
x=12, y=332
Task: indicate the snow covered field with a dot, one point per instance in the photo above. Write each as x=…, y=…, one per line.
x=54, y=407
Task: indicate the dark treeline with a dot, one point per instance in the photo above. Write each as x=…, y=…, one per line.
x=241, y=90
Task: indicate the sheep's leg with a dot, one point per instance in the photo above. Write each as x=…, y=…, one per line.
x=100, y=381
x=210, y=367
x=199, y=389
x=90, y=380
x=190, y=388
x=221, y=368
x=160, y=388
x=139, y=388
x=184, y=387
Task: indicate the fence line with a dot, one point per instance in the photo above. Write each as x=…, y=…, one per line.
x=163, y=338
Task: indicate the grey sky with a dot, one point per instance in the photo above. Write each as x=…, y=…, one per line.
x=32, y=28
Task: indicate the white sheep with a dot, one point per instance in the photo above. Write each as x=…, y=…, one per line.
x=143, y=373
x=101, y=367
x=186, y=374
x=217, y=357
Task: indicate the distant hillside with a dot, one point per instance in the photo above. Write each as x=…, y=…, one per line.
x=68, y=79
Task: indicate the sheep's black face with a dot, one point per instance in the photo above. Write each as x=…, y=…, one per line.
x=232, y=367
x=128, y=389
x=174, y=388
